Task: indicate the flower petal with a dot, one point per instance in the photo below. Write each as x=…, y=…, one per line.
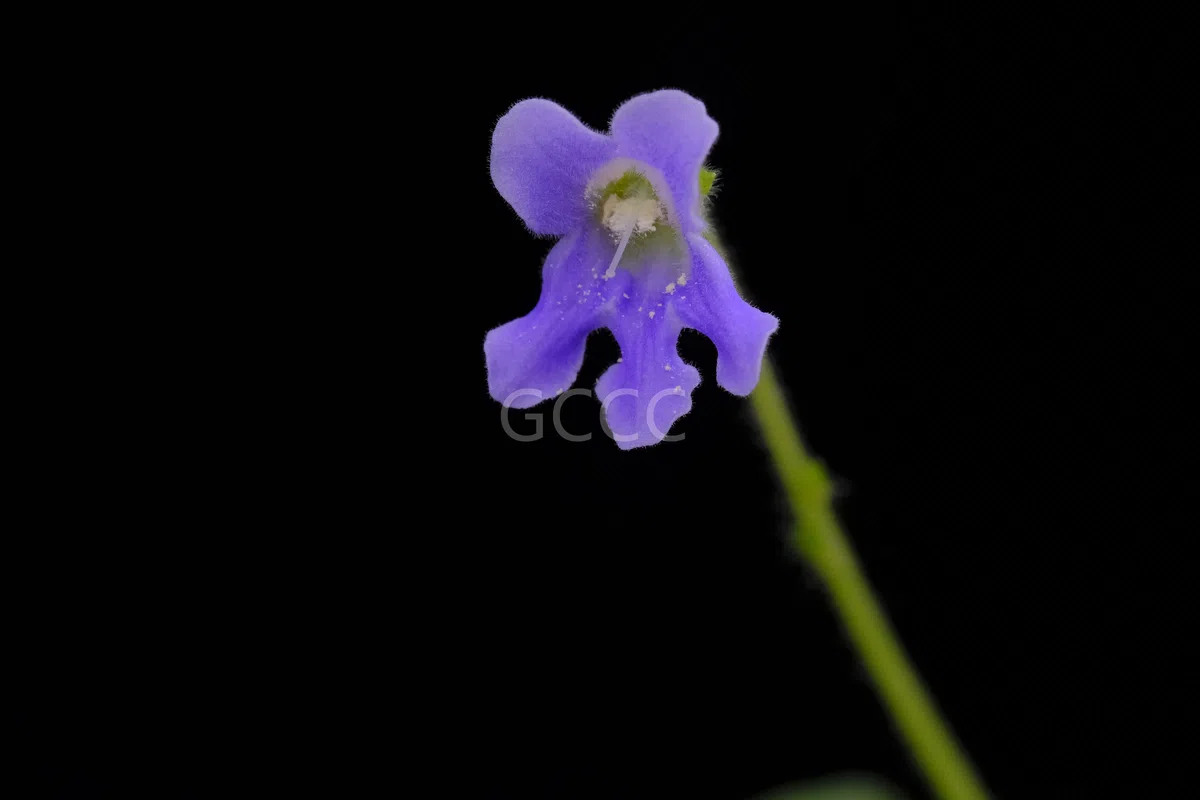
x=538, y=355
x=651, y=387
x=713, y=306
x=542, y=157
x=672, y=131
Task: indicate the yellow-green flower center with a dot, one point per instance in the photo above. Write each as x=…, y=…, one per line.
x=629, y=203
x=625, y=202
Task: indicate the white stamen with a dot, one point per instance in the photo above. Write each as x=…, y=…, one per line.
x=611, y=272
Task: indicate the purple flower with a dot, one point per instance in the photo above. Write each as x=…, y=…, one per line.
x=634, y=257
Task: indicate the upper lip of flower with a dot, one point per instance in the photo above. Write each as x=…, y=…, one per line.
x=543, y=158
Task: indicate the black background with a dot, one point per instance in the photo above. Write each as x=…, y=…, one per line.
x=309, y=554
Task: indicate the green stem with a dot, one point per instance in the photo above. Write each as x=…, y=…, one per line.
x=821, y=542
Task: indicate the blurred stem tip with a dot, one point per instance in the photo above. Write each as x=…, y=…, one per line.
x=821, y=543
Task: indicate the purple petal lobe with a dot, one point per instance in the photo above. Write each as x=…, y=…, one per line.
x=542, y=157
x=713, y=306
x=533, y=358
x=651, y=387
x=672, y=131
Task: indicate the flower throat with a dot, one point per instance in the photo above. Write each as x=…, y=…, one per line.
x=629, y=208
